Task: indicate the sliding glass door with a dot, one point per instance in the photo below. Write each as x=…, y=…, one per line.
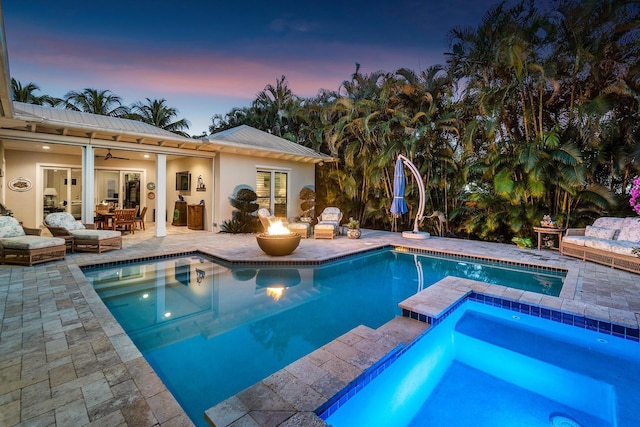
x=118, y=188
x=61, y=189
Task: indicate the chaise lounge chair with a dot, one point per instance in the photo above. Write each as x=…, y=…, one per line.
x=328, y=224
x=63, y=224
x=24, y=246
x=266, y=218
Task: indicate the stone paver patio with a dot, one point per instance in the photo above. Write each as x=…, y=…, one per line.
x=65, y=361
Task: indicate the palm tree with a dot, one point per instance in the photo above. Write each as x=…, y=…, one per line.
x=155, y=112
x=277, y=106
x=26, y=94
x=597, y=54
x=95, y=101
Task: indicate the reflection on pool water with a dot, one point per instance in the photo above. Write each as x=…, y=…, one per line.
x=210, y=330
x=486, y=366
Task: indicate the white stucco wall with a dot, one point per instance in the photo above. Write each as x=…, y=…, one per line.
x=235, y=170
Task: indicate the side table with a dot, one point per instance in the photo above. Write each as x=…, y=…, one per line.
x=549, y=231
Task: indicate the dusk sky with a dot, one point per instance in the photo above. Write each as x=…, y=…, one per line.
x=206, y=57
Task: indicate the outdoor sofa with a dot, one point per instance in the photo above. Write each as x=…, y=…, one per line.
x=24, y=246
x=609, y=241
x=82, y=238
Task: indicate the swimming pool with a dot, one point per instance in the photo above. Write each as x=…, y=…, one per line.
x=487, y=366
x=210, y=330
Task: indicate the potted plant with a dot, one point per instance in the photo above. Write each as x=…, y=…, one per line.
x=353, y=228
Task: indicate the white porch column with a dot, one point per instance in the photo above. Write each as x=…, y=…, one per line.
x=213, y=224
x=161, y=195
x=88, y=184
x=3, y=173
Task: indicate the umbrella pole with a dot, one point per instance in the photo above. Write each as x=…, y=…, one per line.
x=416, y=233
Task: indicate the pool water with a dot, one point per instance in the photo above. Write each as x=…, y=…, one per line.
x=211, y=330
x=486, y=366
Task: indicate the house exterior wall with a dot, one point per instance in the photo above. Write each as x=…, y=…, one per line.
x=222, y=175
x=236, y=171
x=25, y=164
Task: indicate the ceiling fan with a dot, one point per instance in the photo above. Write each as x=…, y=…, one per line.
x=110, y=156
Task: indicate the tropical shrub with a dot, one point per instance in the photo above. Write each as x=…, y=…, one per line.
x=245, y=204
x=308, y=202
x=233, y=226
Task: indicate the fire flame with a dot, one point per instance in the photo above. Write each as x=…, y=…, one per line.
x=277, y=228
x=275, y=293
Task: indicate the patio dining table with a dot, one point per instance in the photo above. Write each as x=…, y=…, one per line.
x=108, y=217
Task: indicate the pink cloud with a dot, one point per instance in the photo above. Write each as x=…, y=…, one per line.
x=101, y=64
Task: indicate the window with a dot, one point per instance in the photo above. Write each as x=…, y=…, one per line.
x=271, y=188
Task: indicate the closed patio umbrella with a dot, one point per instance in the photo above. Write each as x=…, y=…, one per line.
x=398, y=206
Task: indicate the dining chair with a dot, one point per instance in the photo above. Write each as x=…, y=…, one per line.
x=139, y=220
x=123, y=220
x=99, y=220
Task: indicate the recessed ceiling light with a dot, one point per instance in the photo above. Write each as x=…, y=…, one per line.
x=45, y=147
x=146, y=156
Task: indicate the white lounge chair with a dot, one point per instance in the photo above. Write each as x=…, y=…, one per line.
x=328, y=223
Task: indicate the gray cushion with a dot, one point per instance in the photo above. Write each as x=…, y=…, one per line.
x=31, y=242
x=326, y=226
x=613, y=246
x=575, y=240
x=96, y=235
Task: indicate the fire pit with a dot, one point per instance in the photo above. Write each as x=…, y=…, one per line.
x=278, y=240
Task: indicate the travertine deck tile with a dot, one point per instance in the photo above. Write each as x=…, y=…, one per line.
x=305, y=371
x=45, y=308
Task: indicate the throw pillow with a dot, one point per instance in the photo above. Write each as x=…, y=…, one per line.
x=600, y=232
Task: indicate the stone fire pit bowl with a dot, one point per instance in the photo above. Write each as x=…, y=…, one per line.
x=278, y=244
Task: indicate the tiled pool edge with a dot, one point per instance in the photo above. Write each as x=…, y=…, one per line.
x=437, y=316
x=231, y=262
x=466, y=257
x=327, y=260
x=429, y=306
x=331, y=405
